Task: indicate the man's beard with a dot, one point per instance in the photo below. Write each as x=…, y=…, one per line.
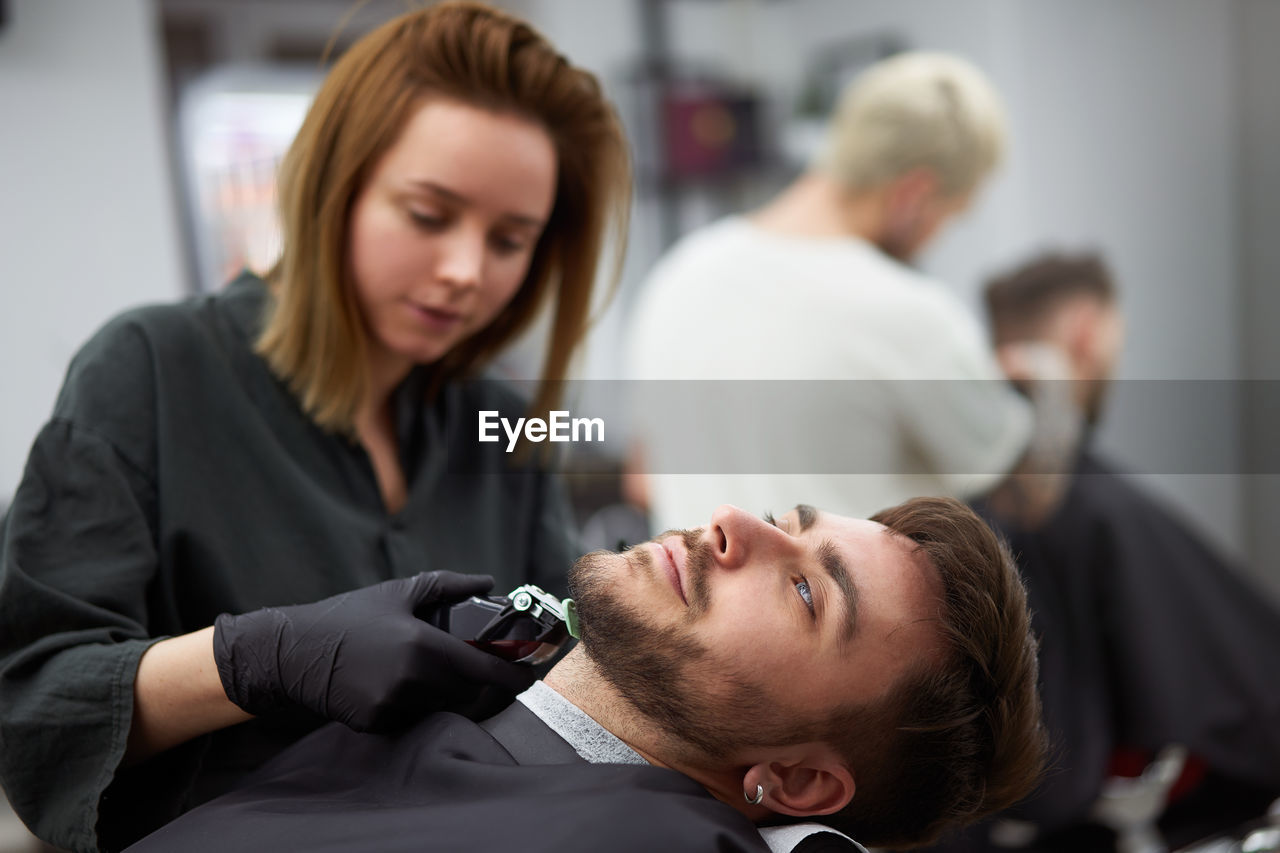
x=1095, y=401
x=899, y=242
x=666, y=674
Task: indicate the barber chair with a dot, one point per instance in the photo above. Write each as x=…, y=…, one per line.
x=1131, y=806
x=1256, y=836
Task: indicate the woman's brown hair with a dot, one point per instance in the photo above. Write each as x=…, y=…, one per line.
x=314, y=337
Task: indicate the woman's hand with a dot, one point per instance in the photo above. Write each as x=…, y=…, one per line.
x=362, y=658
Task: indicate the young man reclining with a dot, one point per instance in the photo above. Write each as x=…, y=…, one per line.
x=877, y=676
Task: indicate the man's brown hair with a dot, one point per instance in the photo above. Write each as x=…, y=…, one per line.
x=1019, y=301
x=464, y=51
x=962, y=737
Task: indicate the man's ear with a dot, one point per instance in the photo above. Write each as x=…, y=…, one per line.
x=809, y=779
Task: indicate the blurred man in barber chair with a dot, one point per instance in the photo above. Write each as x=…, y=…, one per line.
x=1149, y=637
x=735, y=683
x=817, y=285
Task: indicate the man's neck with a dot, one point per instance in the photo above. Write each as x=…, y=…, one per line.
x=815, y=206
x=578, y=680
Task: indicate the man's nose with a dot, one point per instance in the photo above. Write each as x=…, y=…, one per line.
x=737, y=535
x=461, y=259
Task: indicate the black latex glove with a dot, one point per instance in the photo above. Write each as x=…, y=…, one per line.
x=362, y=658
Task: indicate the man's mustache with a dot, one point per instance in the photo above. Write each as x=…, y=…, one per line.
x=697, y=563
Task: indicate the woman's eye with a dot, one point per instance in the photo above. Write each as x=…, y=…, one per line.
x=507, y=245
x=802, y=587
x=426, y=220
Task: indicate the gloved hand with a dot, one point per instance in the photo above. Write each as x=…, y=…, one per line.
x=362, y=658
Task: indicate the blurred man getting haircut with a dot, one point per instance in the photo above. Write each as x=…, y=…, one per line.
x=1067, y=302
x=1149, y=636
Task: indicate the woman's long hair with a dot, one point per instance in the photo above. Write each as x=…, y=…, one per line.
x=314, y=337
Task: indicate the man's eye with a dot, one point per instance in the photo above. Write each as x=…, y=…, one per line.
x=802, y=587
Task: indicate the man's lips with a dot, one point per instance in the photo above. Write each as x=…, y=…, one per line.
x=672, y=559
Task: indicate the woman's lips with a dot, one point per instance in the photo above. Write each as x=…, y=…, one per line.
x=439, y=319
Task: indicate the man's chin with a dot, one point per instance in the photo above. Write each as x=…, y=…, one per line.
x=596, y=567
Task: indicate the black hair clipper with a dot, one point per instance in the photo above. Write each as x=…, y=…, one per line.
x=528, y=626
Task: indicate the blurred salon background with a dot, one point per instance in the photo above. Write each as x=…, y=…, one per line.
x=138, y=141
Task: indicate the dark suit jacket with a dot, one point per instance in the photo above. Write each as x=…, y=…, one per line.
x=450, y=784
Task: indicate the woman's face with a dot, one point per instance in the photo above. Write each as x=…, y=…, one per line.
x=443, y=231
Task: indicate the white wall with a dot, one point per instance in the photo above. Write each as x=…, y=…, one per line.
x=1126, y=139
x=244, y=31
x=87, y=209
x=1259, y=185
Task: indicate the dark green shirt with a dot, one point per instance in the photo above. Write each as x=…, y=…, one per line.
x=178, y=479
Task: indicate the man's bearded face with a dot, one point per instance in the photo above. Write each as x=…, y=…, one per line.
x=666, y=674
x=754, y=632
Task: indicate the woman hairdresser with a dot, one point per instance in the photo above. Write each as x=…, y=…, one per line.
x=288, y=440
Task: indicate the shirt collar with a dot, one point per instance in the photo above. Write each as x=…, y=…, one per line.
x=589, y=739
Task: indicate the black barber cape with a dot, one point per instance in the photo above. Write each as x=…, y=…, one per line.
x=449, y=784
x=1148, y=638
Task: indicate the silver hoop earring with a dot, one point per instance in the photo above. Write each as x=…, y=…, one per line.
x=758, y=798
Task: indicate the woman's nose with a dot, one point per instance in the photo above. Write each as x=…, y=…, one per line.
x=736, y=535
x=461, y=260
